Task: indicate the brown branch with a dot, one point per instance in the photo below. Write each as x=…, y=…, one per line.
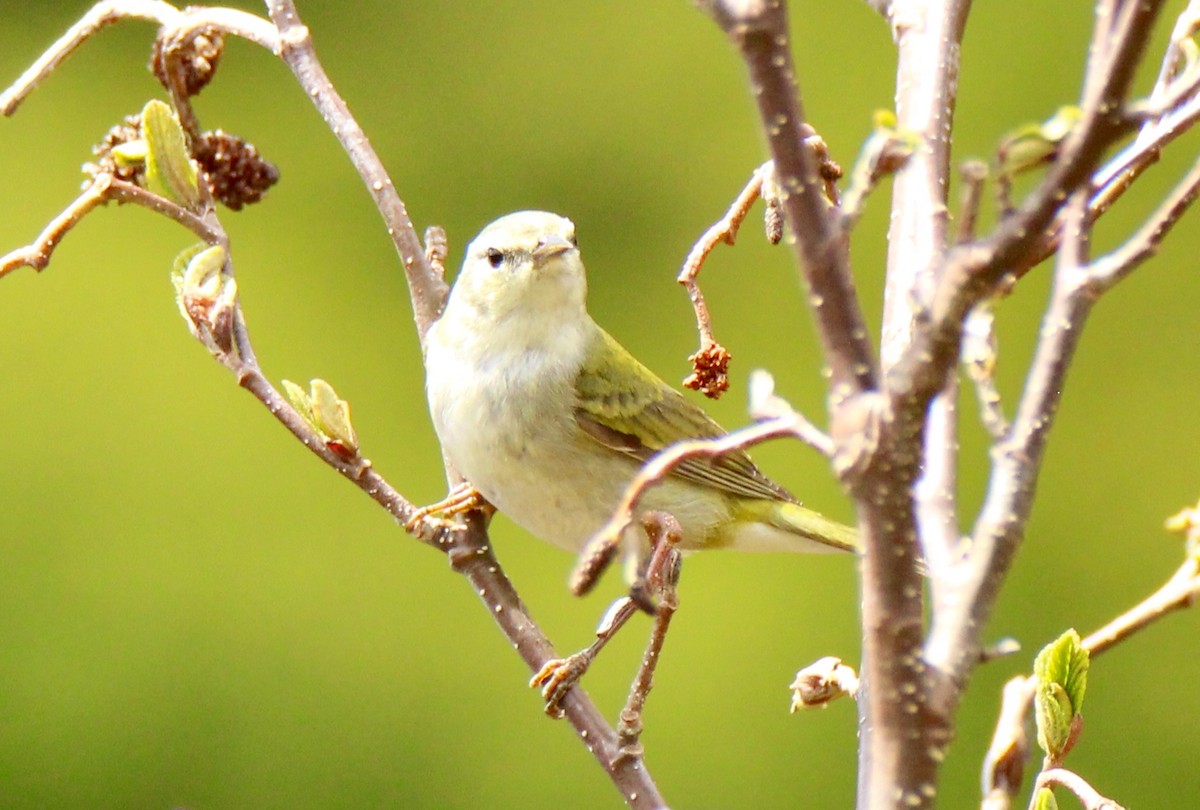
x=426, y=288
x=662, y=575
x=1108, y=270
x=953, y=643
x=760, y=32
x=980, y=357
x=971, y=273
x=973, y=270
x=1168, y=115
x=172, y=20
x=974, y=174
x=901, y=745
x=103, y=189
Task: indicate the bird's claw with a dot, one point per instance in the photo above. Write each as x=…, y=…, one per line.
x=557, y=677
x=463, y=498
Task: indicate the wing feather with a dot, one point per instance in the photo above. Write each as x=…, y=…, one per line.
x=641, y=415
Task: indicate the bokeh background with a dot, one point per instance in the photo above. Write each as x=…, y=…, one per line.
x=196, y=613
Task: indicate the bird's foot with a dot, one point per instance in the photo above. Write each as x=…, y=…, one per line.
x=558, y=676
x=462, y=498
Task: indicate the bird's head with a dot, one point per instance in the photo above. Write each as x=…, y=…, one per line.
x=525, y=264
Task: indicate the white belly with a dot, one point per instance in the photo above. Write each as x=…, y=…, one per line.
x=509, y=427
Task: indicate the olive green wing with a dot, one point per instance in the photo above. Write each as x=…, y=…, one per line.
x=622, y=405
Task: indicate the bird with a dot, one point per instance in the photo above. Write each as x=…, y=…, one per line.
x=549, y=418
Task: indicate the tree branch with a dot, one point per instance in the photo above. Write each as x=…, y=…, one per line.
x=1091, y=798
x=427, y=289
x=971, y=271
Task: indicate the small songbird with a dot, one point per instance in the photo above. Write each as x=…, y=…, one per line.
x=549, y=418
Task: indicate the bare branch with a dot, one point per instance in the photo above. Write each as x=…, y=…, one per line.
x=884, y=153
x=1091, y=798
x=103, y=189
x=953, y=642
x=974, y=174
x=104, y=14
x=1004, y=764
x=427, y=289
x=1115, y=266
x=980, y=356
x=973, y=270
x=1006, y=754
x=662, y=575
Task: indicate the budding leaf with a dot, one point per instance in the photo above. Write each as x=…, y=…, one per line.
x=332, y=415
x=1035, y=144
x=1061, y=669
x=327, y=414
x=1044, y=800
x=170, y=171
x=298, y=398
x=131, y=154
x=206, y=295
x=1065, y=662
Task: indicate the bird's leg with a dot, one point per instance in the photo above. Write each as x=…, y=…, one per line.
x=662, y=576
x=462, y=498
x=654, y=586
x=558, y=675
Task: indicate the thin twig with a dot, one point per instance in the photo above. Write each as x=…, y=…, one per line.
x=760, y=32
x=980, y=355
x=1091, y=798
x=884, y=153
x=973, y=270
x=974, y=174
x=1108, y=270
x=103, y=189
x=427, y=289
x=172, y=20
x=711, y=361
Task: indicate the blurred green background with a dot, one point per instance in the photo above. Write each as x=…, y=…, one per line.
x=196, y=613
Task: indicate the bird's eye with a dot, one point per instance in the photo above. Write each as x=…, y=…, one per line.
x=495, y=257
x=573, y=240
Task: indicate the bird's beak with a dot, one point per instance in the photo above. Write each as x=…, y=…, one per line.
x=549, y=247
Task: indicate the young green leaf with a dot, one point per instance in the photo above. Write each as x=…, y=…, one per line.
x=170, y=171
